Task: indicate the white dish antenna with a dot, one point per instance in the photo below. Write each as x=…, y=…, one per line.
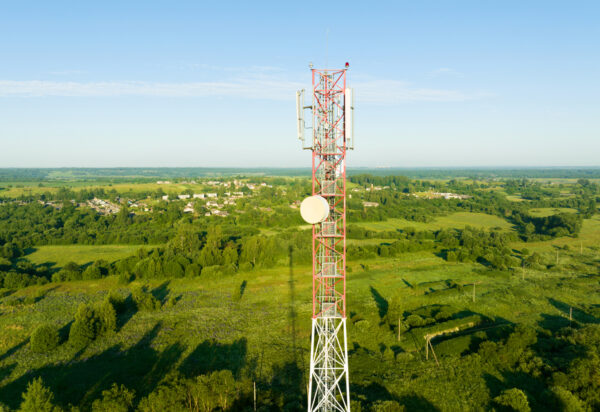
x=314, y=209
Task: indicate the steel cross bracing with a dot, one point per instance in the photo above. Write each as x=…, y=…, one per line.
x=329, y=386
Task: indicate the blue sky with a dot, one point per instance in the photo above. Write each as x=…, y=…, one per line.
x=495, y=83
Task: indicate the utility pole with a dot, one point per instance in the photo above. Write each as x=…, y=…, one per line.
x=399, y=328
x=570, y=315
x=254, y=395
x=556, y=257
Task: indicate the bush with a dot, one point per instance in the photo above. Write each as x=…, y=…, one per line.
x=117, y=301
x=387, y=406
x=91, y=273
x=85, y=328
x=144, y=299
x=514, y=399
x=115, y=399
x=108, y=317
x=44, y=339
x=125, y=278
x=38, y=398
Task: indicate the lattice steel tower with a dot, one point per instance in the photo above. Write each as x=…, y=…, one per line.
x=332, y=135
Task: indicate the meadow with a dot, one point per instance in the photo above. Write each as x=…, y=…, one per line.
x=425, y=332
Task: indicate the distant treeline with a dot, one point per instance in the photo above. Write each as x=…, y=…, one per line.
x=14, y=174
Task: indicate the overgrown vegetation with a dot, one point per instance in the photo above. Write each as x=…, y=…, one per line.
x=443, y=316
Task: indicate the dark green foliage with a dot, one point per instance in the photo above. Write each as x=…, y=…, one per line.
x=116, y=399
x=107, y=316
x=387, y=406
x=91, y=322
x=85, y=327
x=91, y=272
x=512, y=400
x=44, y=339
x=38, y=398
x=144, y=299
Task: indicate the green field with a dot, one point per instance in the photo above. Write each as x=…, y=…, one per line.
x=549, y=211
x=81, y=254
x=454, y=220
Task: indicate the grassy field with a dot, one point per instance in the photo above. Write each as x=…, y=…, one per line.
x=455, y=220
x=81, y=254
x=150, y=344
x=549, y=211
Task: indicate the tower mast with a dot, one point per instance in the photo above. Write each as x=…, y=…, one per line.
x=329, y=385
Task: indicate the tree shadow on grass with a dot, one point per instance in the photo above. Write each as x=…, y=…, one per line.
x=578, y=314
x=417, y=403
x=211, y=356
x=370, y=393
x=12, y=350
x=381, y=302
x=287, y=384
x=161, y=291
x=80, y=381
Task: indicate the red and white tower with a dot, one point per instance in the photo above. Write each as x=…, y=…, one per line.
x=332, y=113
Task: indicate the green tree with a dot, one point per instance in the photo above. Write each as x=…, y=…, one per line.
x=514, y=399
x=116, y=399
x=44, y=339
x=38, y=398
x=85, y=327
x=108, y=317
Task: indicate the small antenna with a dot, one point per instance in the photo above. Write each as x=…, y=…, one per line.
x=327, y=48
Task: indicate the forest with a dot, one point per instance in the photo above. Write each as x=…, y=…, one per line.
x=122, y=291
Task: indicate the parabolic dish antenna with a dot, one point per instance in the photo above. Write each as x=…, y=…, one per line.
x=314, y=209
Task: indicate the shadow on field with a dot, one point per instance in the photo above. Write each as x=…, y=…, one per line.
x=287, y=385
x=380, y=301
x=161, y=291
x=212, y=356
x=12, y=350
x=578, y=314
x=139, y=367
x=415, y=403
x=292, y=312
x=371, y=393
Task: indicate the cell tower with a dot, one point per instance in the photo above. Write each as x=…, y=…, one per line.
x=332, y=135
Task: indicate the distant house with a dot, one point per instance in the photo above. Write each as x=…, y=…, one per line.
x=165, y=197
x=212, y=204
x=189, y=208
x=198, y=196
x=183, y=196
x=370, y=204
x=214, y=195
x=163, y=182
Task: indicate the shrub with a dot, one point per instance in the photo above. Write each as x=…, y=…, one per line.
x=387, y=406
x=108, y=317
x=117, y=301
x=125, y=278
x=92, y=272
x=513, y=398
x=44, y=338
x=115, y=399
x=38, y=398
x=85, y=328
x=144, y=299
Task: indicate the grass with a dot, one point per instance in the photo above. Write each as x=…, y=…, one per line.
x=549, y=211
x=455, y=220
x=150, y=344
x=81, y=254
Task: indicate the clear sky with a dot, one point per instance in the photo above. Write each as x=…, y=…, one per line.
x=175, y=83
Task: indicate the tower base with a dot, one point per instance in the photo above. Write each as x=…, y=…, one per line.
x=329, y=385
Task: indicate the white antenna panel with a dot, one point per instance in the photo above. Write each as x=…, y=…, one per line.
x=349, y=117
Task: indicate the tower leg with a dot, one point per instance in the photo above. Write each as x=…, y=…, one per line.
x=329, y=386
